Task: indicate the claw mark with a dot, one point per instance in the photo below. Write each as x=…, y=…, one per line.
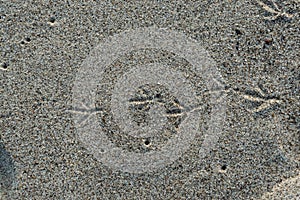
x=86, y=111
x=277, y=12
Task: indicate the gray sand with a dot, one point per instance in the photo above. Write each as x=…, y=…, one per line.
x=43, y=45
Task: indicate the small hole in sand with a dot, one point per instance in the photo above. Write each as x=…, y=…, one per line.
x=27, y=39
x=238, y=32
x=147, y=142
x=4, y=66
x=52, y=19
x=224, y=167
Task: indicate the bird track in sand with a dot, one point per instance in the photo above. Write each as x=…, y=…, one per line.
x=262, y=97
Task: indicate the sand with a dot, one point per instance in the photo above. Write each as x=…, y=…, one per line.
x=255, y=48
